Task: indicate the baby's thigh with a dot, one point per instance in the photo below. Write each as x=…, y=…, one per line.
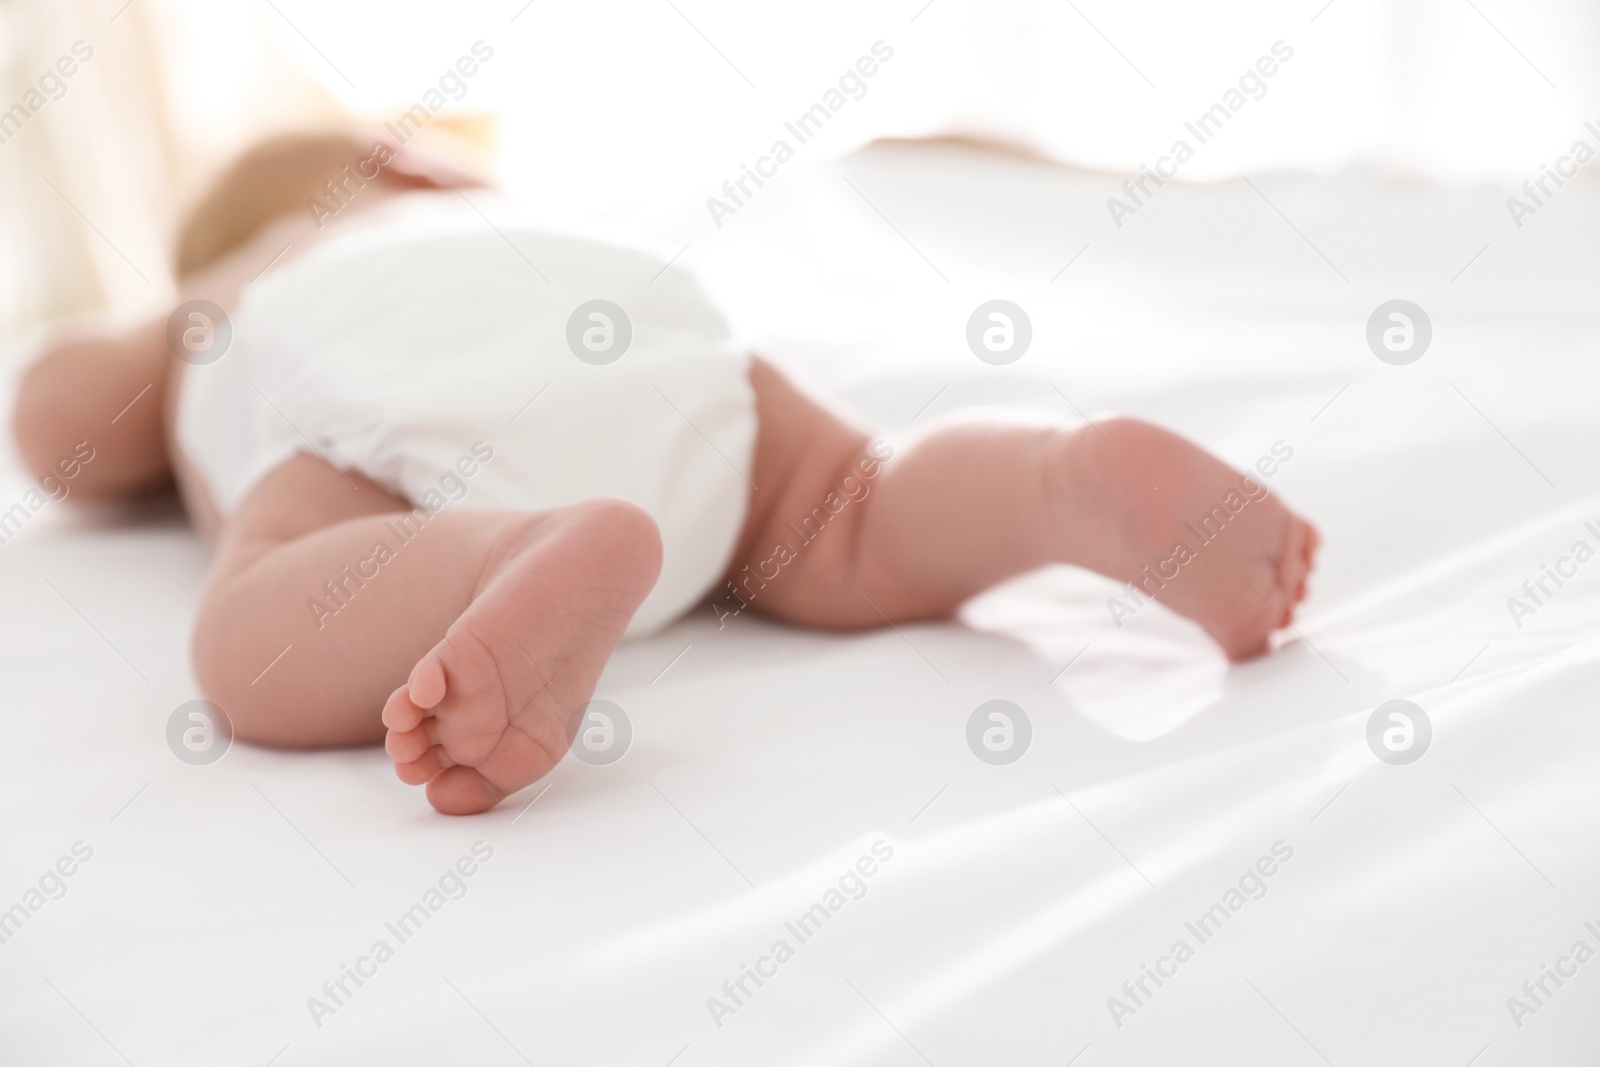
x=303, y=494
x=806, y=508
x=803, y=446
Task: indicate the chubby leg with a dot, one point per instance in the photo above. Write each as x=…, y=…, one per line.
x=335, y=612
x=967, y=505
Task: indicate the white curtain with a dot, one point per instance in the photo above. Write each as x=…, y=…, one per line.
x=110, y=115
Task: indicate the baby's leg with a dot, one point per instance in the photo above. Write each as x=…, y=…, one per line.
x=326, y=596
x=969, y=505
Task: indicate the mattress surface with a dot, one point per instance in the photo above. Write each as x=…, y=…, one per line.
x=818, y=792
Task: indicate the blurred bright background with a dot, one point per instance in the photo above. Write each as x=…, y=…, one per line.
x=645, y=107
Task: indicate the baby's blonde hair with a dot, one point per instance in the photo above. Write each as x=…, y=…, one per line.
x=285, y=173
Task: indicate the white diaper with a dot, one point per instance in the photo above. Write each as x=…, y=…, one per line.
x=408, y=351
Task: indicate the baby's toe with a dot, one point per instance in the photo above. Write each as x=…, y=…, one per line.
x=400, y=712
x=462, y=791
x=426, y=686
x=1260, y=606
x=406, y=746
x=425, y=768
x=1242, y=647
x=1295, y=567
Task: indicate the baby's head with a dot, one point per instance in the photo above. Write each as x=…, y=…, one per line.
x=317, y=172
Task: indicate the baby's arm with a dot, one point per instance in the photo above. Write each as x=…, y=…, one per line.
x=83, y=387
x=103, y=391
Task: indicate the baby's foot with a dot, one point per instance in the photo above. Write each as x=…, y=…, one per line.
x=1150, y=508
x=485, y=712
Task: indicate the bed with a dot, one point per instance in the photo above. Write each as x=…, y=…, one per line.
x=818, y=792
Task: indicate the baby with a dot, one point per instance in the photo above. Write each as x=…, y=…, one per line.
x=449, y=462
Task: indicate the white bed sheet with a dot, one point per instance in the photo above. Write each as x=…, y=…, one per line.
x=767, y=760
